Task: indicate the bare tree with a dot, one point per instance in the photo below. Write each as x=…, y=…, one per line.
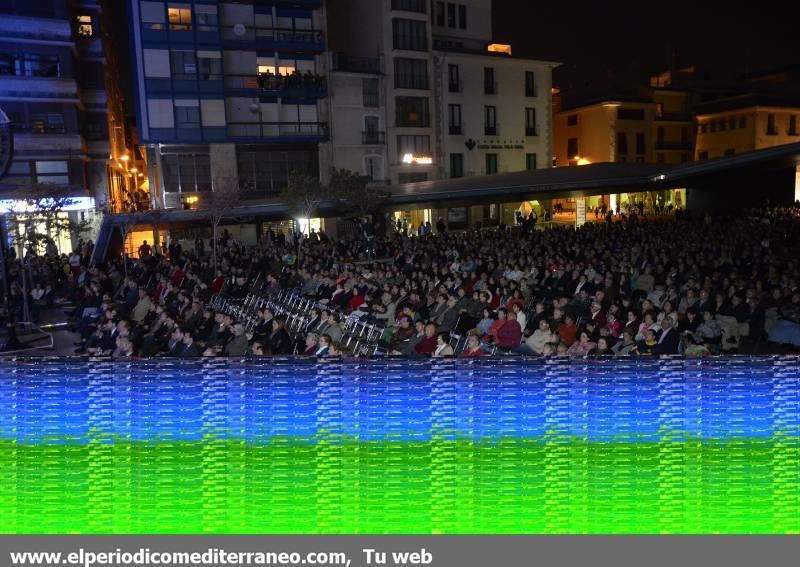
x=39, y=214
x=304, y=194
x=219, y=205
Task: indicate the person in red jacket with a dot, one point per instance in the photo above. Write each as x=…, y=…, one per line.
x=356, y=301
x=177, y=275
x=218, y=283
x=494, y=328
x=427, y=345
x=510, y=334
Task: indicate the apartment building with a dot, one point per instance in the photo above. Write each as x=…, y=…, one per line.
x=451, y=103
x=52, y=88
x=744, y=123
x=229, y=94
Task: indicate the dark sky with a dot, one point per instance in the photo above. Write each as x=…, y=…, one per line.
x=634, y=40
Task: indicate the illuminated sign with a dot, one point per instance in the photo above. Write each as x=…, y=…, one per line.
x=23, y=206
x=417, y=160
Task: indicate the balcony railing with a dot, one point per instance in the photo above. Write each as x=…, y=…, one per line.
x=352, y=64
x=490, y=87
x=456, y=129
x=373, y=137
x=277, y=129
x=305, y=82
x=490, y=130
x=531, y=131
x=280, y=35
x=455, y=86
x=371, y=100
x=418, y=6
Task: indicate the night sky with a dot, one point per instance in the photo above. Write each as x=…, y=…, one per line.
x=631, y=41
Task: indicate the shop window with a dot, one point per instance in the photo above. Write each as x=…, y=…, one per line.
x=84, y=26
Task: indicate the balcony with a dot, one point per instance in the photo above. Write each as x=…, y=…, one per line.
x=456, y=129
x=490, y=87
x=15, y=28
x=531, y=130
x=39, y=89
x=373, y=137
x=311, y=40
x=371, y=100
x=455, y=86
x=351, y=64
x=490, y=130
x=417, y=6
x=304, y=84
x=289, y=131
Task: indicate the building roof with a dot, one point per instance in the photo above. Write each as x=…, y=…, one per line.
x=749, y=100
x=503, y=185
x=493, y=54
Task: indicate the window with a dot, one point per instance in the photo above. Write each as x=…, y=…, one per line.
x=410, y=35
x=373, y=167
x=372, y=133
x=742, y=122
x=462, y=16
x=732, y=123
x=415, y=145
x=184, y=65
x=55, y=172
x=266, y=171
x=792, y=125
x=489, y=85
x=209, y=65
x=186, y=173
x=38, y=65
x=410, y=6
x=180, y=17
x=152, y=15
x=412, y=112
x=660, y=135
x=491, y=164
x=369, y=92
x=83, y=26
x=410, y=73
x=622, y=143
x=187, y=114
x=630, y=114
x=414, y=177
x=456, y=165
x=440, y=14
x=530, y=122
x=530, y=162
x=572, y=120
x=723, y=125
x=47, y=123
x=702, y=156
x=701, y=128
x=712, y=126
x=451, y=15
x=771, y=130
x=530, y=83
x=454, y=78
x=206, y=18
x=640, y=149
x=490, y=120
x=572, y=148
x=455, y=119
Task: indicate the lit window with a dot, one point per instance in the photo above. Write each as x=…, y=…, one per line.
x=85, y=28
x=180, y=17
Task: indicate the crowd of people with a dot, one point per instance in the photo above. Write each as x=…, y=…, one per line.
x=690, y=285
